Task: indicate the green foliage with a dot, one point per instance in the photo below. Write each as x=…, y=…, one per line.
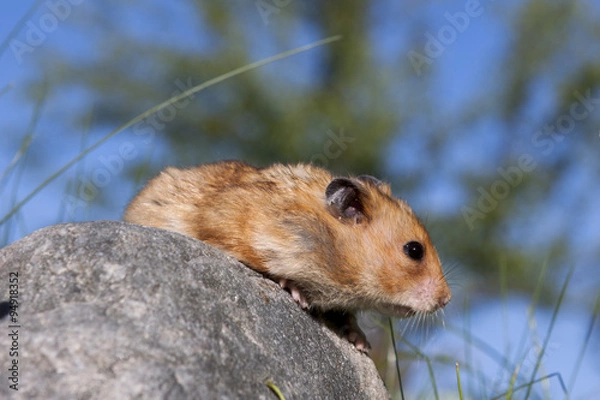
x=286, y=113
x=523, y=369
x=290, y=111
x=353, y=106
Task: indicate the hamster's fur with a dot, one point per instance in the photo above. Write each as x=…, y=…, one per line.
x=337, y=243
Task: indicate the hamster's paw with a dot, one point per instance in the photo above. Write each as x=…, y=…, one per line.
x=344, y=324
x=359, y=340
x=352, y=332
x=295, y=292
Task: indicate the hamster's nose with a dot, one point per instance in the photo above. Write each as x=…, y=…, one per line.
x=445, y=299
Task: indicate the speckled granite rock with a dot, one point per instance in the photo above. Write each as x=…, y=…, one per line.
x=110, y=310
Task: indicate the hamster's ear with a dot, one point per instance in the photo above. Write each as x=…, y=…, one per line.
x=370, y=179
x=344, y=200
x=384, y=187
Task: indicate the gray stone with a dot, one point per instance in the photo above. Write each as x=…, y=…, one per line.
x=110, y=310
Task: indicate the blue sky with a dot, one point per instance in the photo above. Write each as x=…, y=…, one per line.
x=468, y=64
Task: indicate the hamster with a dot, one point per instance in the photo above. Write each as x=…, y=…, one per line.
x=337, y=244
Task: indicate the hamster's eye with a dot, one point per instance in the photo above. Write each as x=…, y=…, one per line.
x=414, y=250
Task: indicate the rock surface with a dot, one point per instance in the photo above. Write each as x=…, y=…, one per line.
x=110, y=310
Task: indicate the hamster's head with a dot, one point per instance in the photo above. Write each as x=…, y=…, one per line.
x=388, y=258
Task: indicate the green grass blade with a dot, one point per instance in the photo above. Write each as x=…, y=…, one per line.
x=508, y=395
x=21, y=155
x=585, y=344
x=427, y=360
x=7, y=88
x=460, y=391
x=482, y=346
x=29, y=134
x=513, y=380
x=17, y=28
x=549, y=332
x=275, y=390
x=72, y=185
x=27, y=139
x=396, y=358
x=530, y=322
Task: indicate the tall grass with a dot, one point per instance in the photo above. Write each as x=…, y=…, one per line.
x=517, y=383
x=524, y=378
x=16, y=207
x=18, y=163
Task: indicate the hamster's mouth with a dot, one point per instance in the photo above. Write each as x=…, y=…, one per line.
x=397, y=311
